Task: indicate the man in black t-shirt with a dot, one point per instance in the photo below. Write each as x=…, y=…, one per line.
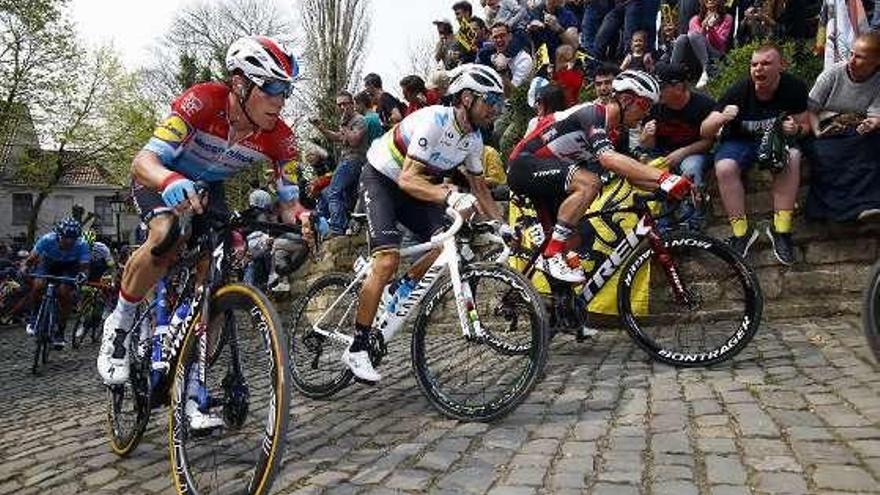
x=745, y=112
x=672, y=131
x=389, y=108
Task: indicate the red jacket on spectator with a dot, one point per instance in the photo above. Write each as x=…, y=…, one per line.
x=570, y=81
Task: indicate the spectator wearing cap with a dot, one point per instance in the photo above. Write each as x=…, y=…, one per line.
x=448, y=52
x=672, y=131
x=845, y=115
x=416, y=94
x=466, y=35
x=552, y=24
x=748, y=113
x=389, y=108
x=515, y=67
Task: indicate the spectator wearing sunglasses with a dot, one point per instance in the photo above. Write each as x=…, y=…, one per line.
x=514, y=65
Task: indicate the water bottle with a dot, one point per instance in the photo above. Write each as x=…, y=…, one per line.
x=387, y=296
x=158, y=365
x=404, y=287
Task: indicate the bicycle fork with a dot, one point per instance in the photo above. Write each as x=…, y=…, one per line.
x=665, y=259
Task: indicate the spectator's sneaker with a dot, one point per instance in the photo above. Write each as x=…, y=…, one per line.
x=113, y=356
x=281, y=287
x=556, y=267
x=199, y=420
x=783, y=247
x=586, y=332
x=30, y=329
x=357, y=358
x=742, y=244
x=703, y=81
x=58, y=341
x=869, y=215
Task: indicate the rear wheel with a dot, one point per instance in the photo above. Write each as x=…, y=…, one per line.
x=245, y=385
x=128, y=408
x=480, y=378
x=315, y=366
x=718, y=315
x=871, y=311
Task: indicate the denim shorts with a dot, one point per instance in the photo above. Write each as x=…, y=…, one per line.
x=743, y=152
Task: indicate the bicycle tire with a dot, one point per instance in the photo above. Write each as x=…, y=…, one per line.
x=871, y=311
x=517, y=384
x=265, y=332
x=124, y=439
x=307, y=347
x=82, y=316
x=41, y=338
x=713, y=274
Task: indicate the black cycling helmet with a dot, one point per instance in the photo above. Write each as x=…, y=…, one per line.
x=68, y=228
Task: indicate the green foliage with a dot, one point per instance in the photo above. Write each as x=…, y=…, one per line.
x=191, y=72
x=515, y=121
x=239, y=186
x=801, y=63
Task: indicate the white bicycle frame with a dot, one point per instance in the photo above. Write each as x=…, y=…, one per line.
x=389, y=323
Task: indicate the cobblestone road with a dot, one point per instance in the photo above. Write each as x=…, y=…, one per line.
x=797, y=412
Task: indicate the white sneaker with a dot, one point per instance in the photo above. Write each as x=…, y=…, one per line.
x=199, y=420
x=588, y=332
x=281, y=287
x=80, y=330
x=273, y=279
x=360, y=364
x=556, y=267
x=30, y=329
x=113, y=356
x=703, y=81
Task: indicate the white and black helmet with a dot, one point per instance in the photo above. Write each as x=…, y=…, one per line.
x=261, y=59
x=475, y=77
x=638, y=82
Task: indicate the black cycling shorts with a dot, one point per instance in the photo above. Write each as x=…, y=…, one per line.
x=385, y=204
x=149, y=203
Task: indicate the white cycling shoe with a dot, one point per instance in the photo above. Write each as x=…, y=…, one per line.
x=359, y=363
x=556, y=267
x=199, y=420
x=113, y=359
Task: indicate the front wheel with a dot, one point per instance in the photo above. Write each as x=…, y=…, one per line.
x=480, y=378
x=698, y=306
x=871, y=311
x=245, y=393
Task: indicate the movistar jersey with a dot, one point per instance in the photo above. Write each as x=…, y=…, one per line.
x=49, y=250
x=432, y=137
x=194, y=139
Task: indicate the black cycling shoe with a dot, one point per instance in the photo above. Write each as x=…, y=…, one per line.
x=742, y=244
x=783, y=247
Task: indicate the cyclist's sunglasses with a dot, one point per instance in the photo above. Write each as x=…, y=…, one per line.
x=275, y=87
x=494, y=100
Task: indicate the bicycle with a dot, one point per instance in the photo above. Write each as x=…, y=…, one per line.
x=47, y=319
x=225, y=351
x=871, y=311
x=502, y=345
x=89, y=316
x=667, y=282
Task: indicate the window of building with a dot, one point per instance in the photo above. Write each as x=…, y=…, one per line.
x=22, y=208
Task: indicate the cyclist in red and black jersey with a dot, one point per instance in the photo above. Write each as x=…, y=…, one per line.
x=555, y=164
x=214, y=131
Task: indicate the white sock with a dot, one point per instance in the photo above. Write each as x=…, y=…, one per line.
x=126, y=311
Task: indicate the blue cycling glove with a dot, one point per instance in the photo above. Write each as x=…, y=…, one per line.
x=176, y=189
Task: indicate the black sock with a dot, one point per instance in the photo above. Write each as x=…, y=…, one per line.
x=361, y=338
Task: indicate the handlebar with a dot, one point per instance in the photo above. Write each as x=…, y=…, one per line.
x=457, y=222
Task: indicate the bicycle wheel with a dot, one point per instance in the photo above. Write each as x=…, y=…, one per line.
x=871, y=311
x=480, y=379
x=42, y=327
x=128, y=404
x=722, y=311
x=83, y=314
x=246, y=384
x=315, y=367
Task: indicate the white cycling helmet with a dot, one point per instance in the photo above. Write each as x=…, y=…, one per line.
x=260, y=199
x=475, y=77
x=638, y=82
x=261, y=59
x=535, y=87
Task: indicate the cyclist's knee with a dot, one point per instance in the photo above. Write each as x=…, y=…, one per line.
x=385, y=263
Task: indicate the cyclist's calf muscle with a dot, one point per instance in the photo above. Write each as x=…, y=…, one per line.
x=582, y=191
x=143, y=269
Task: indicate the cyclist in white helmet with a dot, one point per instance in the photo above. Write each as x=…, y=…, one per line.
x=214, y=130
x=556, y=165
x=403, y=183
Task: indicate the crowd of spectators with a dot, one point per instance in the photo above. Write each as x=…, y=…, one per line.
x=568, y=52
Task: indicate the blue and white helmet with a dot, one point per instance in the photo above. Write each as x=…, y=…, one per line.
x=68, y=228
